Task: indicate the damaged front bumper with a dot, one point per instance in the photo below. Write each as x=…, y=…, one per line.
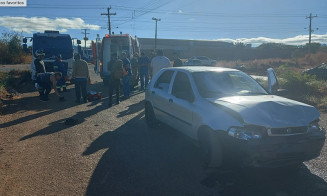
x=276, y=151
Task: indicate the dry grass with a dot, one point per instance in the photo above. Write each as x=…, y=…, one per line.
x=26, y=59
x=260, y=66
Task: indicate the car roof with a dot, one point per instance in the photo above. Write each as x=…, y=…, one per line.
x=202, y=69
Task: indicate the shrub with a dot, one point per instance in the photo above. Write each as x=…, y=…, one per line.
x=298, y=84
x=11, y=51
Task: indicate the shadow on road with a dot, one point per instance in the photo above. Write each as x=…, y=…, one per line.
x=59, y=125
x=268, y=182
x=42, y=109
x=143, y=161
x=132, y=109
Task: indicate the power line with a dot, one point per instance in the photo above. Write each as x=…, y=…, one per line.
x=85, y=38
x=310, y=29
x=155, y=39
x=109, y=14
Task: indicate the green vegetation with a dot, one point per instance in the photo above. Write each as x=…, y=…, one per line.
x=301, y=87
x=11, y=51
x=3, y=81
x=305, y=88
x=18, y=80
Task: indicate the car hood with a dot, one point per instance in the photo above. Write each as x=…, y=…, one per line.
x=267, y=110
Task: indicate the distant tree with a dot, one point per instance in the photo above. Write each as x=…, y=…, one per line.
x=239, y=45
x=11, y=48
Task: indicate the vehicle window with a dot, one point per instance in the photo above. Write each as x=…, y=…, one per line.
x=323, y=66
x=182, y=87
x=215, y=84
x=164, y=80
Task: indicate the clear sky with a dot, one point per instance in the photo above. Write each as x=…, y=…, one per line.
x=248, y=21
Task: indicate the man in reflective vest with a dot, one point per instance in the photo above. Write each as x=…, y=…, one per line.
x=59, y=66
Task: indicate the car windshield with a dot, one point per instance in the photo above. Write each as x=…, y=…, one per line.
x=202, y=58
x=229, y=83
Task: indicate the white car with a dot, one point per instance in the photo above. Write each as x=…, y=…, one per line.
x=193, y=62
x=205, y=61
x=233, y=118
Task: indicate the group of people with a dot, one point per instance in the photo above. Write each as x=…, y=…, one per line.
x=132, y=71
x=122, y=71
x=45, y=81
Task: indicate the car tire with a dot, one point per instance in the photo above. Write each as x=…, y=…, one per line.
x=212, y=148
x=105, y=82
x=150, y=117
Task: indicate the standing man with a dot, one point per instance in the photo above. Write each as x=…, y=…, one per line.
x=38, y=62
x=135, y=70
x=144, y=62
x=39, y=68
x=116, y=73
x=59, y=66
x=47, y=81
x=177, y=61
x=159, y=62
x=127, y=73
x=81, y=78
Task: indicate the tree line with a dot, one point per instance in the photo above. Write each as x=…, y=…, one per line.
x=11, y=51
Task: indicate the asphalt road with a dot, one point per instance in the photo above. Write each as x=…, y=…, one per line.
x=111, y=151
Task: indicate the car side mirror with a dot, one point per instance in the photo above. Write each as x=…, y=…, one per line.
x=273, y=85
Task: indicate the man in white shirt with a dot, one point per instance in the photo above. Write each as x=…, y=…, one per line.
x=159, y=62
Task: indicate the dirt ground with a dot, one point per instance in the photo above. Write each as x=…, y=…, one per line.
x=111, y=151
x=7, y=68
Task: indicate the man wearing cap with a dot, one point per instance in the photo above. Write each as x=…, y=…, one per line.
x=59, y=66
x=39, y=68
x=38, y=62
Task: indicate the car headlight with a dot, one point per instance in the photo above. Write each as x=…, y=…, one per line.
x=244, y=134
x=314, y=126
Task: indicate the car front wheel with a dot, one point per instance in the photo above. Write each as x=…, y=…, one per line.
x=150, y=117
x=212, y=148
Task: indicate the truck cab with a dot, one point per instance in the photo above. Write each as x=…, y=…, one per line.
x=53, y=43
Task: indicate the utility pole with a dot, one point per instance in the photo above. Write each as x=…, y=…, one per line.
x=109, y=14
x=85, y=38
x=310, y=29
x=155, y=39
x=73, y=40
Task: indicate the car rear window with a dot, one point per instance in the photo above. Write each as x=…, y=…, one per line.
x=164, y=80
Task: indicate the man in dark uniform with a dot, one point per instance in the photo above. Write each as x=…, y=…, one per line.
x=144, y=62
x=39, y=67
x=116, y=73
x=177, y=61
x=59, y=66
x=38, y=62
x=47, y=81
x=135, y=71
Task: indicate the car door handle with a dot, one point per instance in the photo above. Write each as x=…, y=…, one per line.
x=153, y=92
x=171, y=100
